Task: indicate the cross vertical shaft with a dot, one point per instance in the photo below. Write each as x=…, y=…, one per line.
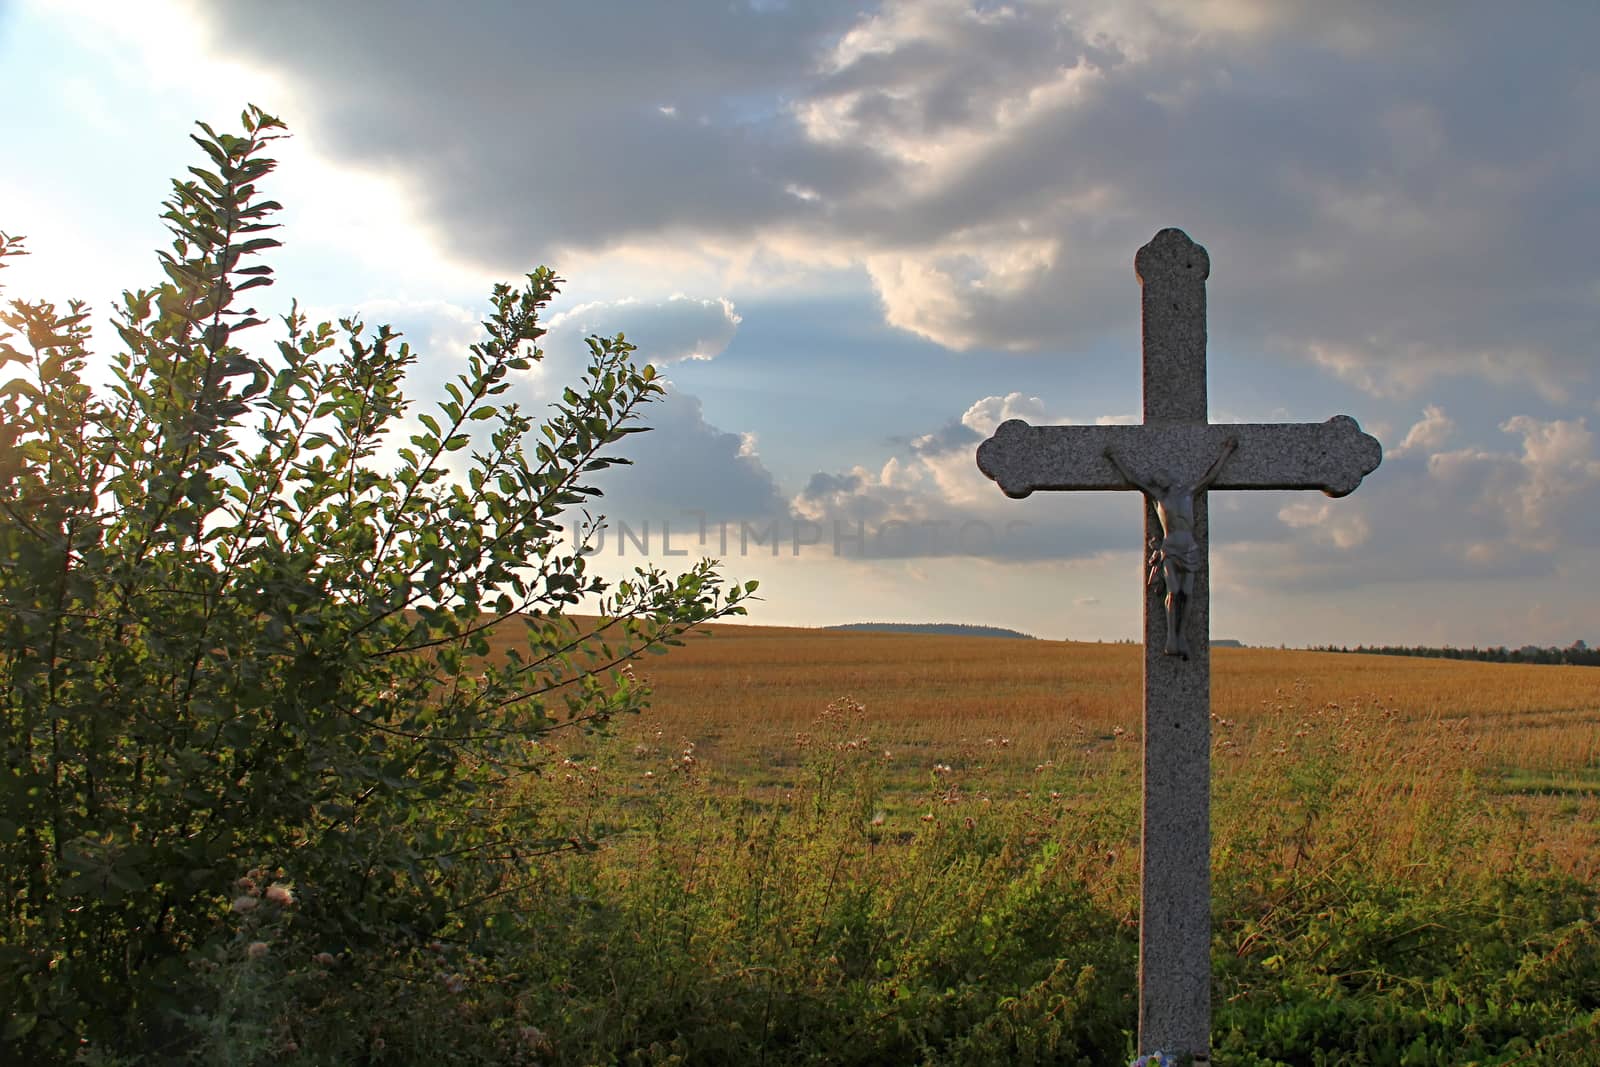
x=1175, y=850
x=1164, y=459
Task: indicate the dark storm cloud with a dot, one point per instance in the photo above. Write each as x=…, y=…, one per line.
x=565, y=125
x=1391, y=194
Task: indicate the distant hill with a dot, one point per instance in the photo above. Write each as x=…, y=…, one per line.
x=958, y=629
x=1226, y=642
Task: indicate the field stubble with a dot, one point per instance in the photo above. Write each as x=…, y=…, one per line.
x=1006, y=717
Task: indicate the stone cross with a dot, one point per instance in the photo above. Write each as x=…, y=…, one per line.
x=1173, y=458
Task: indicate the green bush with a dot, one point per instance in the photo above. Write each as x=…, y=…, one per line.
x=251, y=716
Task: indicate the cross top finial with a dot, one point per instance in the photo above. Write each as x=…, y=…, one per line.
x=1171, y=253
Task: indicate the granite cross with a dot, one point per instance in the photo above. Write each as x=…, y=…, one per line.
x=1173, y=458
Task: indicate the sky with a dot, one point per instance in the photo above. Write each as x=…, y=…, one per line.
x=855, y=237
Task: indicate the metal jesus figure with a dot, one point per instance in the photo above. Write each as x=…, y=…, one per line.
x=1177, y=558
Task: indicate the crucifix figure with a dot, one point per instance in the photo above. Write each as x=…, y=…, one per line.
x=1176, y=559
x=1174, y=457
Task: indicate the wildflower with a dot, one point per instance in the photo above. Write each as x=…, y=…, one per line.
x=878, y=818
x=280, y=894
x=534, y=1038
x=247, y=884
x=326, y=959
x=257, y=950
x=454, y=983
x=244, y=904
x=929, y=817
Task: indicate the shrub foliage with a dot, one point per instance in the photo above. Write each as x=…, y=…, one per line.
x=242, y=628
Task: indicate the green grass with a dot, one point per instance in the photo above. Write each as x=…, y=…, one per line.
x=1374, y=903
x=1378, y=898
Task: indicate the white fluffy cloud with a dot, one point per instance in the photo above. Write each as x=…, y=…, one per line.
x=1428, y=434
x=940, y=504
x=665, y=331
x=1430, y=514
x=986, y=414
x=1536, y=500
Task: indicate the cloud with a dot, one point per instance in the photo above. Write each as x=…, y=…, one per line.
x=1344, y=528
x=563, y=126
x=686, y=471
x=669, y=331
x=986, y=414
x=1540, y=500
x=931, y=500
x=1431, y=514
x=1377, y=197
x=1428, y=514
x=1432, y=431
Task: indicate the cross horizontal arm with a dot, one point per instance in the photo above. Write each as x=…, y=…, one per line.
x=1332, y=456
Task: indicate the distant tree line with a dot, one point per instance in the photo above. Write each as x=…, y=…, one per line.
x=1578, y=653
x=959, y=629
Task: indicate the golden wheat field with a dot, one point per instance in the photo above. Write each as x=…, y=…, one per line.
x=742, y=698
x=741, y=687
